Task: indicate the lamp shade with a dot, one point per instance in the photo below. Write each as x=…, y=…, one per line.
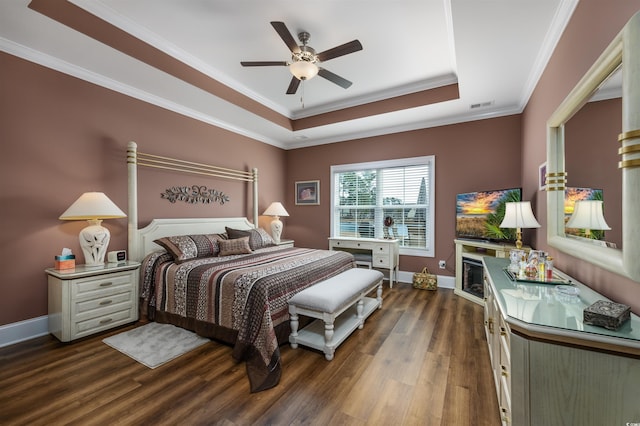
x=276, y=209
x=587, y=214
x=303, y=70
x=92, y=205
x=519, y=215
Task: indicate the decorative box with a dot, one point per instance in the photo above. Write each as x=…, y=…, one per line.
x=609, y=315
x=65, y=262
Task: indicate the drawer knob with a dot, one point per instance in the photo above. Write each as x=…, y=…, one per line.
x=106, y=321
x=107, y=284
x=106, y=302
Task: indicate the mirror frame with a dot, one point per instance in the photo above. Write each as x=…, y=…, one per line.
x=623, y=50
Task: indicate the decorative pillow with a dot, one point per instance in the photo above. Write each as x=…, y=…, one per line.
x=187, y=247
x=234, y=246
x=258, y=238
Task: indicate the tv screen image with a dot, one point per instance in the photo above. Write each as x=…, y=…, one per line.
x=479, y=214
x=571, y=195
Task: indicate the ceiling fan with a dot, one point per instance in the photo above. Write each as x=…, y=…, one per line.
x=305, y=60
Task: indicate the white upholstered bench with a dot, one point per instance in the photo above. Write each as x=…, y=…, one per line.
x=340, y=306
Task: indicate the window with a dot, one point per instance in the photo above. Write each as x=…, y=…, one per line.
x=365, y=194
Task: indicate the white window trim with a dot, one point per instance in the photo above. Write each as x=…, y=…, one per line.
x=402, y=162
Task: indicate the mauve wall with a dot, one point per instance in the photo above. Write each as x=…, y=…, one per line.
x=593, y=26
x=469, y=156
x=62, y=136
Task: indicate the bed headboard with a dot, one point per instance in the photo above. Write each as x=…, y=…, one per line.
x=169, y=227
x=141, y=240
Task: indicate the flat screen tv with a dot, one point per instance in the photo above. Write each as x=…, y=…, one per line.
x=479, y=214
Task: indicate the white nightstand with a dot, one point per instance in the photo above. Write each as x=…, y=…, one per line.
x=89, y=299
x=285, y=243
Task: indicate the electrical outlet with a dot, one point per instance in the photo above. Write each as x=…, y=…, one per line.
x=442, y=264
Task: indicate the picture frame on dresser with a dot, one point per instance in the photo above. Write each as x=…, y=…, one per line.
x=307, y=192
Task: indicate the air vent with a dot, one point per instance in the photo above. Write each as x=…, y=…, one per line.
x=481, y=105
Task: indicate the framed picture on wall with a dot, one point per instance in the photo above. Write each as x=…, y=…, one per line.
x=542, y=176
x=308, y=192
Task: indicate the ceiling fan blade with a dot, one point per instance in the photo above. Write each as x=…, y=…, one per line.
x=334, y=78
x=343, y=49
x=293, y=86
x=286, y=36
x=263, y=63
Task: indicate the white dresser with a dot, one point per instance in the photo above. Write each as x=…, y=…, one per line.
x=384, y=253
x=549, y=367
x=89, y=299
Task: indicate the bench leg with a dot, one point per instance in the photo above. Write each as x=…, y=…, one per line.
x=328, y=340
x=359, y=310
x=293, y=338
x=379, y=295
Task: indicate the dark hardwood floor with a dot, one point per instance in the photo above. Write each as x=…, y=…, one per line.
x=421, y=360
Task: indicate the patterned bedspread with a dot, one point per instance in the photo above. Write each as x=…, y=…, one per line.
x=244, y=296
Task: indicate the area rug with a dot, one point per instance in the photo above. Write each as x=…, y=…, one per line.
x=154, y=344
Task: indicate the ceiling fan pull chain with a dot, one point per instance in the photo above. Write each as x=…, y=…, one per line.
x=302, y=95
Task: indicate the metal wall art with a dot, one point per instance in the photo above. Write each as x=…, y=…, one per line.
x=194, y=194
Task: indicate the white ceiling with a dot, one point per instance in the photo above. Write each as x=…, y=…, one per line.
x=495, y=50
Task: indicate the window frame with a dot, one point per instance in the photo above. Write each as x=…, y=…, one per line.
x=430, y=160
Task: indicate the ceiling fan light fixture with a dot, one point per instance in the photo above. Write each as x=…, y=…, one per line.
x=303, y=70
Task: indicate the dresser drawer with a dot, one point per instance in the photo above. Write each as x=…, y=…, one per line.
x=99, y=286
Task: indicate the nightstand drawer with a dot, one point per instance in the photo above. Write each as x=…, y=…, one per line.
x=112, y=319
x=102, y=285
x=102, y=303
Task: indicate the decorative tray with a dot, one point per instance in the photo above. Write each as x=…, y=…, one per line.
x=553, y=281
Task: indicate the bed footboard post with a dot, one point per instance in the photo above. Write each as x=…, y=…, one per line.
x=255, y=197
x=132, y=214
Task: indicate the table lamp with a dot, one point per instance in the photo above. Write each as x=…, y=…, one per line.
x=94, y=239
x=588, y=215
x=519, y=215
x=276, y=209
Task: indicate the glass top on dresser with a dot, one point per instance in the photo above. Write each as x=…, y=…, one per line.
x=558, y=306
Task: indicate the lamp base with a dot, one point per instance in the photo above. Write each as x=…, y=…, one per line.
x=276, y=229
x=518, y=238
x=94, y=240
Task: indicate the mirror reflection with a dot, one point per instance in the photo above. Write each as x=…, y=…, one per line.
x=591, y=160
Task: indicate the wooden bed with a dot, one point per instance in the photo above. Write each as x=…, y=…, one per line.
x=236, y=298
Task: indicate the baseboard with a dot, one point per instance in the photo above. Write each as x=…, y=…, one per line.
x=23, y=330
x=444, y=281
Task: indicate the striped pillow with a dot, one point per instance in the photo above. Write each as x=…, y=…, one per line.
x=258, y=238
x=187, y=247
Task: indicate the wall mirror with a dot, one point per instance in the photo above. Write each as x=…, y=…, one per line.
x=622, y=55
x=591, y=164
